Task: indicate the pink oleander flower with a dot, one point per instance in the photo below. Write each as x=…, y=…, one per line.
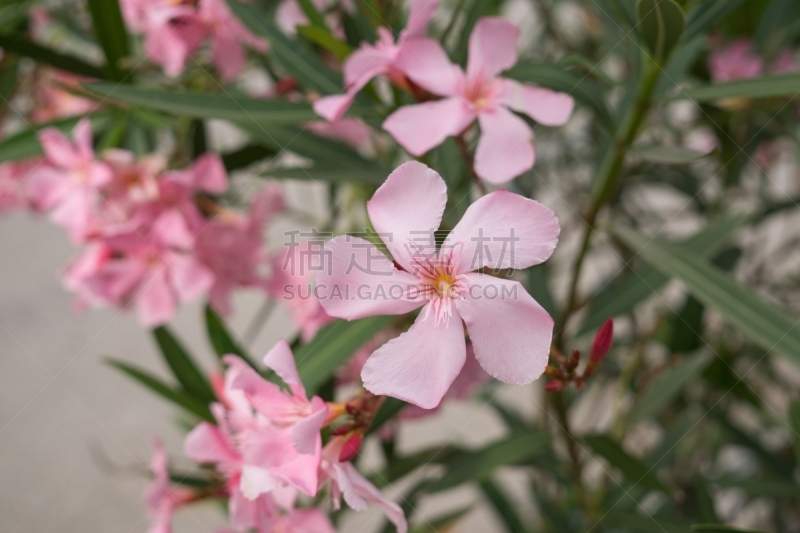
x=263, y=448
x=231, y=245
x=175, y=29
x=162, y=497
x=371, y=60
x=505, y=148
x=70, y=180
x=346, y=481
x=151, y=271
x=52, y=101
x=510, y=332
x=785, y=63
x=292, y=282
x=734, y=61
x=13, y=189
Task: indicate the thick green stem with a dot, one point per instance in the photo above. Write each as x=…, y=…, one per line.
x=608, y=175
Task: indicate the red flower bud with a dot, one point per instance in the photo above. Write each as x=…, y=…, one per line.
x=602, y=342
x=350, y=447
x=554, y=386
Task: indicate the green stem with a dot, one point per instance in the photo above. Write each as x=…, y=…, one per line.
x=608, y=175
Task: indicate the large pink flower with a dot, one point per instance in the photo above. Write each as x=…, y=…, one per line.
x=69, y=181
x=505, y=149
x=371, y=60
x=510, y=332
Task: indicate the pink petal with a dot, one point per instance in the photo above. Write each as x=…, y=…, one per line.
x=427, y=64
x=373, y=286
x=210, y=174
x=207, y=444
x=406, y=210
x=421, y=127
x=312, y=520
x=367, y=62
x=492, y=48
x=228, y=55
x=190, y=278
x=332, y=108
x=547, y=107
x=510, y=332
x=306, y=432
x=265, y=397
x=420, y=365
x=281, y=360
x=420, y=14
x=170, y=228
x=82, y=135
x=155, y=304
x=505, y=148
x=58, y=149
x=503, y=230
x=358, y=490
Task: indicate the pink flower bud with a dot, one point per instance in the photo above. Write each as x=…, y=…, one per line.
x=350, y=447
x=602, y=342
x=554, y=386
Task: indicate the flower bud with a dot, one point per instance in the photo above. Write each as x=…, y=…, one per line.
x=554, y=386
x=351, y=446
x=602, y=342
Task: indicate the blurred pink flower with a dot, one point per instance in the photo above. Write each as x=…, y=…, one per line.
x=736, y=60
x=505, y=149
x=357, y=491
x=52, y=101
x=69, y=182
x=13, y=186
x=161, y=496
x=231, y=244
x=510, y=332
x=371, y=60
x=291, y=282
x=348, y=130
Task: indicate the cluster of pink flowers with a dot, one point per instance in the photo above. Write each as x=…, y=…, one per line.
x=451, y=100
x=739, y=60
x=175, y=29
x=152, y=237
x=266, y=445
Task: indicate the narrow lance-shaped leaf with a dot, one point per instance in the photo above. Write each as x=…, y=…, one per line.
x=770, y=86
x=666, y=387
x=111, y=33
x=794, y=425
x=634, y=470
x=332, y=346
x=660, y=24
x=182, y=366
x=173, y=395
x=720, y=528
x=474, y=466
x=762, y=322
x=18, y=44
x=504, y=508
x=667, y=155
x=707, y=14
x=620, y=297
x=220, y=337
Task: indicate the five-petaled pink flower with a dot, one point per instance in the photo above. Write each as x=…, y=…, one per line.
x=371, y=60
x=510, y=332
x=505, y=149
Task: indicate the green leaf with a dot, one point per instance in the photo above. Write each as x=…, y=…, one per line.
x=708, y=14
x=794, y=424
x=770, y=86
x=182, y=366
x=298, y=60
x=665, y=388
x=221, y=339
x=402, y=466
x=504, y=509
x=474, y=466
x=476, y=10
x=667, y=155
x=312, y=13
x=660, y=24
x=232, y=107
x=372, y=176
x=175, y=396
x=18, y=44
x=441, y=524
x=323, y=37
x=719, y=528
x=762, y=322
x=245, y=156
x=557, y=78
x=762, y=487
x=111, y=33
x=638, y=522
x=618, y=298
x=25, y=143
x=332, y=346
x=634, y=470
